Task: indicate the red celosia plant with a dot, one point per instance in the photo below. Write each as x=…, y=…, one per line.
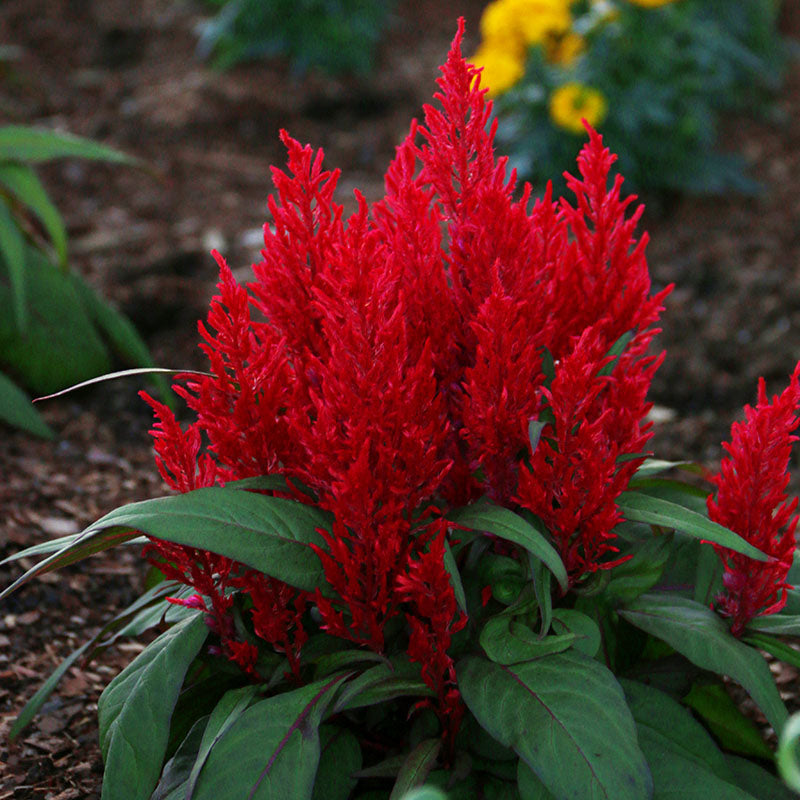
x=751, y=500
x=416, y=420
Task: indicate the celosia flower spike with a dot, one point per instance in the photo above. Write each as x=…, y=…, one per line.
x=751, y=500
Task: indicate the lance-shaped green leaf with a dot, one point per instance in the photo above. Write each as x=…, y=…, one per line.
x=269, y=534
x=22, y=183
x=118, y=331
x=786, y=624
x=225, y=714
x=134, y=711
x=638, y=507
x=12, y=254
x=757, y=781
x=43, y=692
x=272, y=750
x=23, y=143
x=683, y=759
x=774, y=646
x=175, y=776
x=340, y=759
x=455, y=578
x=512, y=527
x=700, y=635
x=133, y=627
x=566, y=716
x=416, y=767
x=655, y=466
x=734, y=731
x=16, y=410
x=530, y=787
x=641, y=572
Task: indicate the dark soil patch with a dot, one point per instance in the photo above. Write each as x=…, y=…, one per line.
x=126, y=74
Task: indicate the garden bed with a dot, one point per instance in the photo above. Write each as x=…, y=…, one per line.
x=129, y=78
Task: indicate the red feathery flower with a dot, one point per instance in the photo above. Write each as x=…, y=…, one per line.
x=751, y=500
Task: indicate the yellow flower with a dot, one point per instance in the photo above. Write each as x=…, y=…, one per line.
x=515, y=23
x=564, y=50
x=539, y=19
x=499, y=25
x=502, y=67
x=573, y=102
x=651, y=3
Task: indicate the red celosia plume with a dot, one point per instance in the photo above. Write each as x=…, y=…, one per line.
x=751, y=500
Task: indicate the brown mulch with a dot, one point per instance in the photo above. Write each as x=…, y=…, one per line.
x=125, y=73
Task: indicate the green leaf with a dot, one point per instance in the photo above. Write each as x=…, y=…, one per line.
x=329, y=663
x=60, y=344
x=708, y=575
x=699, y=634
x=455, y=577
x=587, y=635
x=733, y=730
x=685, y=762
x=53, y=546
x=566, y=716
x=530, y=787
x=787, y=753
x=754, y=779
x=639, y=507
x=33, y=705
x=272, y=750
x=22, y=183
x=34, y=145
x=672, y=728
x=776, y=623
x=506, y=641
x=775, y=647
x=535, y=428
x=135, y=708
x=340, y=758
x=387, y=688
x=269, y=534
x=655, y=466
x=228, y=710
x=17, y=410
x=119, y=331
x=640, y=573
x=507, y=525
x=615, y=351
x=425, y=793
x=416, y=767
x=12, y=250
x=541, y=588
x=175, y=776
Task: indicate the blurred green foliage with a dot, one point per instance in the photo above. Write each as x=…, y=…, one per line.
x=337, y=36
x=665, y=69
x=55, y=330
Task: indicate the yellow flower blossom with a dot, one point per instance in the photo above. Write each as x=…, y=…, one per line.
x=514, y=23
x=573, y=102
x=539, y=19
x=564, y=50
x=502, y=67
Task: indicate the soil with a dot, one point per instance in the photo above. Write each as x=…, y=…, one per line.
x=127, y=74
